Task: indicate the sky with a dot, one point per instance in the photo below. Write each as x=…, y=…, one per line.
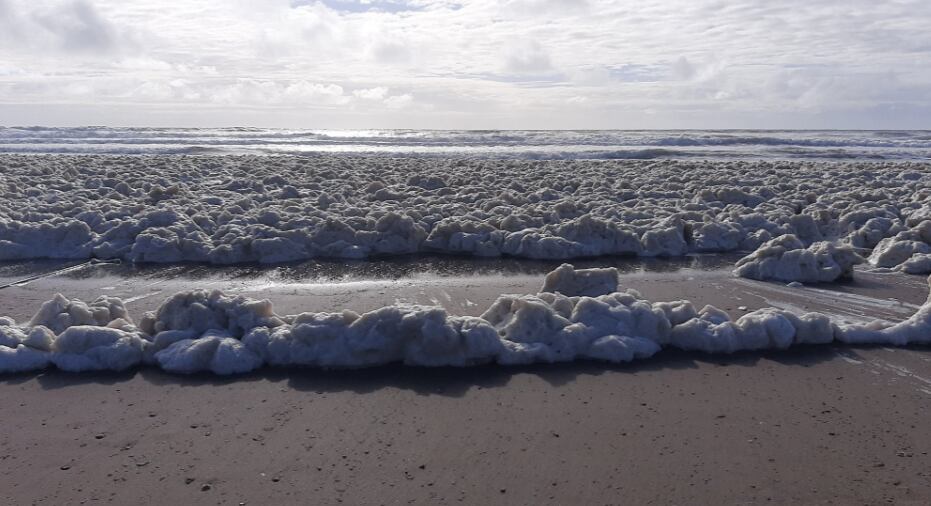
x=467, y=64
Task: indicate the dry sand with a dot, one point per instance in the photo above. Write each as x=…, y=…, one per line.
x=814, y=425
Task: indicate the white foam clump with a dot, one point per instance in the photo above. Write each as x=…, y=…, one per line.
x=919, y=263
x=786, y=258
x=412, y=335
x=902, y=247
x=233, y=209
x=89, y=348
x=61, y=313
x=209, y=331
x=570, y=281
x=713, y=331
x=201, y=310
x=214, y=351
x=23, y=348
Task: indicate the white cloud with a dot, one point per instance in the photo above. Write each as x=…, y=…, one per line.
x=481, y=63
x=303, y=92
x=377, y=93
x=546, y=7
x=399, y=101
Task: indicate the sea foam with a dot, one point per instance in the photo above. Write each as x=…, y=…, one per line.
x=235, y=209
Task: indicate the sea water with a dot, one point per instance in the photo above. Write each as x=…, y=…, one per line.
x=517, y=144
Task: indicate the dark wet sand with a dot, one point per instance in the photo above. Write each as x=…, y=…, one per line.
x=813, y=425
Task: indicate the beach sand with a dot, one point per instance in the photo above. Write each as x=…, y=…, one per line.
x=819, y=425
x=812, y=425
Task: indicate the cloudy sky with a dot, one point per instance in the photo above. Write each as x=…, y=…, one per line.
x=467, y=64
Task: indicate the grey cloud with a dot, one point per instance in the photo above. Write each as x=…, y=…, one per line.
x=390, y=51
x=73, y=26
x=529, y=58
x=682, y=68
x=79, y=27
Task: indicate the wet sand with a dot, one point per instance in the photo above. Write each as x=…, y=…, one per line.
x=462, y=286
x=813, y=425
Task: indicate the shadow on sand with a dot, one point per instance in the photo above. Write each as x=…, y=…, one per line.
x=444, y=381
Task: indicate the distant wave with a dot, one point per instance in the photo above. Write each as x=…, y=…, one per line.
x=79, y=149
x=510, y=144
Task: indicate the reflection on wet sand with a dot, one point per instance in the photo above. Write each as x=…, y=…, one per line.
x=394, y=268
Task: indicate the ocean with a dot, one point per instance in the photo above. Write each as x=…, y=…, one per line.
x=508, y=144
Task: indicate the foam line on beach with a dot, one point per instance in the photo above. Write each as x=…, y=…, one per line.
x=578, y=315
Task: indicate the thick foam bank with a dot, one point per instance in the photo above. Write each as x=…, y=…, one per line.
x=230, y=209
